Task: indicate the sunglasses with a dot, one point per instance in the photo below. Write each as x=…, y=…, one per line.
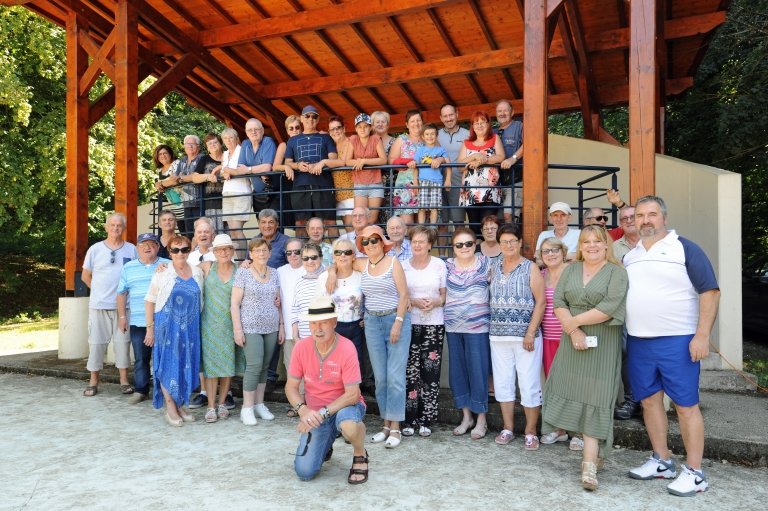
x=292, y=252
x=373, y=240
x=547, y=251
x=312, y=116
x=182, y=250
x=343, y=252
x=465, y=244
x=294, y=128
x=600, y=218
x=112, y=259
x=307, y=258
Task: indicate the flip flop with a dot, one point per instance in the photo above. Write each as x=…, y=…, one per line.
x=91, y=390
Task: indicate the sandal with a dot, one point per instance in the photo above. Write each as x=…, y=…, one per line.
x=589, y=475
x=393, y=442
x=531, y=442
x=462, y=428
x=210, y=415
x=424, y=431
x=358, y=471
x=127, y=388
x=381, y=435
x=290, y=412
x=91, y=390
x=479, y=432
x=408, y=431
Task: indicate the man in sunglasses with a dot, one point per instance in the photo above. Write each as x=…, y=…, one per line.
x=595, y=216
x=332, y=403
x=308, y=156
x=101, y=273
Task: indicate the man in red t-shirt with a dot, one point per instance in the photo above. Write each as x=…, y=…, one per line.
x=327, y=362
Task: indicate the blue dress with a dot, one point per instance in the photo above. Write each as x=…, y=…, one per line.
x=176, y=353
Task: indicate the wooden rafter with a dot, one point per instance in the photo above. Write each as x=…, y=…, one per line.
x=572, y=32
x=167, y=82
x=513, y=89
x=102, y=61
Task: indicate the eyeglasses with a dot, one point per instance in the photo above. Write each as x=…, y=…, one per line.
x=627, y=219
x=419, y=242
x=260, y=251
x=294, y=128
x=465, y=244
x=480, y=123
x=493, y=227
x=292, y=252
x=343, y=252
x=553, y=251
x=254, y=130
x=313, y=258
x=373, y=240
x=508, y=243
x=311, y=116
x=112, y=259
x=180, y=250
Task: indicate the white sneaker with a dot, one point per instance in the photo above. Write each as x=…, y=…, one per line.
x=654, y=468
x=689, y=483
x=263, y=412
x=551, y=438
x=577, y=444
x=246, y=415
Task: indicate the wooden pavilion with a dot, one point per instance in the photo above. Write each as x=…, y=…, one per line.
x=267, y=58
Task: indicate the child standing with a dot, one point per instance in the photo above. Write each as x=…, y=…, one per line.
x=431, y=179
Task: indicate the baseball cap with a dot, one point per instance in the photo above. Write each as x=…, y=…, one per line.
x=309, y=109
x=148, y=236
x=362, y=117
x=560, y=206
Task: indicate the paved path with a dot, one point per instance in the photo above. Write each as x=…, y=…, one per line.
x=63, y=451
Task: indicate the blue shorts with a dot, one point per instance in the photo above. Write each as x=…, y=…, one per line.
x=663, y=363
x=373, y=190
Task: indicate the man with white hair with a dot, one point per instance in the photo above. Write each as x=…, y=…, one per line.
x=396, y=231
x=257, y=154
x=203, y=239
x=101, y=273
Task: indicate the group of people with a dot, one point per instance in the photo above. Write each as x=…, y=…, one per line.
x=557, y=331
x=450, y=171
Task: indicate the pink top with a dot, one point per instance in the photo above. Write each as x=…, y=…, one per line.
x=550, y=325
x=366, y=176
x=325, y=378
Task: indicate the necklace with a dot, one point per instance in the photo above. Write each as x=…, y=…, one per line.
x=259, y=274
x=373, y=265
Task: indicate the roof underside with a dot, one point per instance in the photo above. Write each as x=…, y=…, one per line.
x=268, y=58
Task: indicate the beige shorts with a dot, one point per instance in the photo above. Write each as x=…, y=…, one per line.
x=236, y=208
x=102, y=328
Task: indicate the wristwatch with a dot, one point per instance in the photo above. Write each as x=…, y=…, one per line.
x=324, y=412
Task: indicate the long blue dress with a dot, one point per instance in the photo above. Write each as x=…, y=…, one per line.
x=176, y=353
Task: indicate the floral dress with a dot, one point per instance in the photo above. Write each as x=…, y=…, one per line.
x=480, y=185
x=405, y=195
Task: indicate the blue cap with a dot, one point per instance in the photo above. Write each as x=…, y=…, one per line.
x=309, y=109
x=363, y=117
x=148, y=236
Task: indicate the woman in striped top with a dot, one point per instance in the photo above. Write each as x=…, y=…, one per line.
x=306, y=289
x=467, y=316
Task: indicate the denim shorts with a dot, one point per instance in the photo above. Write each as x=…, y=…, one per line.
x=373, y=190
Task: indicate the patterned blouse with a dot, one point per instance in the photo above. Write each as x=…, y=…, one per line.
x=258, y=312
x=512, y=301
x=466, y=303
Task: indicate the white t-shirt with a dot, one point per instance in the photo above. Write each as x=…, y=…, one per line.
x=236, y=185
x=105, y=266
x=288, y=278
x=194, y=257
x=348, y=296
x=426, y=283
x=571, y=239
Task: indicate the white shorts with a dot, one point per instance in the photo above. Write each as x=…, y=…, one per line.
x=102, y=328
x=236, y=208
x=510, y=359
x=345, y=207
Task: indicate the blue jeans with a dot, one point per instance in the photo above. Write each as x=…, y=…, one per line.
x=143, y=357
x=389, y=362
x=314, y=445
x=468, y=370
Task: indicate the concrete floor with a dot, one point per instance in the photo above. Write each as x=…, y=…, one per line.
x=63, y=451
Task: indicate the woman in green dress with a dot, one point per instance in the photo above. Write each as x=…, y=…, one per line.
x=590, y=303
x=218, y=339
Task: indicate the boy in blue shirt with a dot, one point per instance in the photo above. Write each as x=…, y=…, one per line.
x=431, y=179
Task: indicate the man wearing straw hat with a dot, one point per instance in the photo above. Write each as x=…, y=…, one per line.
x=327, y=362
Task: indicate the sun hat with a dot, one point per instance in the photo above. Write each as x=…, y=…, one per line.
x=320, y=308
x=369, y=231
x=222, y=240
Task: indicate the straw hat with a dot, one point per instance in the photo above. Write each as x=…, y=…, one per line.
x=321, y=307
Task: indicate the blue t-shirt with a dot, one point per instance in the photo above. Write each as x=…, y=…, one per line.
x=511, y=139
x=311, y=148
x=135, y=278
x=424, y=156
x=250, y=158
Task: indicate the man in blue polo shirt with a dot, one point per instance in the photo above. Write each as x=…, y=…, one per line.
x=134, y=284
x=257, y=154
x=671, y=306
x=511, y=134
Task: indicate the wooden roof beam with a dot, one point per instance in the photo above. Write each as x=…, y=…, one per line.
x=572, y=32
x=306, y=21
x=166, y=83
x=102, y=61
x=493, y=46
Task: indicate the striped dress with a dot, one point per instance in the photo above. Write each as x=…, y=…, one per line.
x=218, y=339
x=582, y=386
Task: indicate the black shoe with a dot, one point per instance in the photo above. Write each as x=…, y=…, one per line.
x=627, y=410
x=271, y=386
x=229, y=402
x=328, y=455
x=199, y=401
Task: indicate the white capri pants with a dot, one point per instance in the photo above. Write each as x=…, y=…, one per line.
x=509, y=358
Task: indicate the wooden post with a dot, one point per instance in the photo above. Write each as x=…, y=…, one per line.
x=643, y=99
x=535, y=122
x=76, y=230
x=126, y=114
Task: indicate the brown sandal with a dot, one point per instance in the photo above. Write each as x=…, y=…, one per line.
x=358, y=471
x=91, y=390
x=127, y=388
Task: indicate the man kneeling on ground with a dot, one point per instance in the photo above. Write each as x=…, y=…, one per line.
x=328, y=364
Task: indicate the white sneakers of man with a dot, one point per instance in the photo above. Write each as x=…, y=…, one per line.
x=688, y=483
x=247, y=417
x=654, y=468
x=263, y=412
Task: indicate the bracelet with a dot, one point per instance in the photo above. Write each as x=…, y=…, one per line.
x=571, y=332
x=150, y=325
x=623, y=205
x=298, y=406
x=398, y=318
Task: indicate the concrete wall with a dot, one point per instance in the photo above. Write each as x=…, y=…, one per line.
x=704, y=205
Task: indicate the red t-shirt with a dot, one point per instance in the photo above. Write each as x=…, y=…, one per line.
x=325, y=379
x=616, y=233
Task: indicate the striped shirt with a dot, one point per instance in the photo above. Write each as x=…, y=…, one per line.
x=134, y=280
x=466, y=304
x=304, y=292
x=380, y=291
x=551, y=326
